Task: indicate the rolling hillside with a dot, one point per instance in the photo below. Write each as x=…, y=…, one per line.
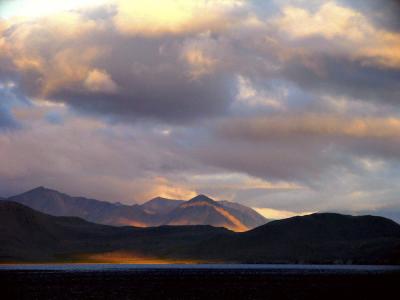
x=28, y=235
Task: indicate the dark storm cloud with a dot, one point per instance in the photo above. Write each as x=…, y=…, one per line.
x=288, y=94
x=384, y=13
x=295, y=160
x=153, y=81
x=304, y=148
x=180, y=76
x=342, y=76
x=124, y=77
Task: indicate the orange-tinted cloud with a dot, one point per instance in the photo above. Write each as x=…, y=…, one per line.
x=313, y=125
x=268, y=102
x=349, y=27
x=155, y=18
x=100, y=81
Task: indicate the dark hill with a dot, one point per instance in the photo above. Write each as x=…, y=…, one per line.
x=319, y=238
x=328, y=227
x=28, y=235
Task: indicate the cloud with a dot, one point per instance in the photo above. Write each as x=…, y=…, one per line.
x=330, y=21
x=6, y=120
x=274, y=214
x=285, y=105
x=100, y=81
x=305, y=149
x=8, y=101
x=312, y=126
x=201, y=64
x=345, y=26
x=173, y=16
x=178, y=67
x=118, y=163
x=148, y=77
x=384, y=14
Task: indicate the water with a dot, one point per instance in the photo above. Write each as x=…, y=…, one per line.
x=255, y=267
x=197, y=281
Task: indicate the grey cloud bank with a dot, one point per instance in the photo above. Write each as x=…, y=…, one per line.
x=264, y=104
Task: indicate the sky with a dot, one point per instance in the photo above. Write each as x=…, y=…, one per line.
x=288, y=106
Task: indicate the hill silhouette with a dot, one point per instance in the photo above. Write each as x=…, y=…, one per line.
x=28, y=235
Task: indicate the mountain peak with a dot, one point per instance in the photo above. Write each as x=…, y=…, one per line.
x=160, y=205
x=202, y=198
x=199, y=210
x=40, y=189
x=159, y=199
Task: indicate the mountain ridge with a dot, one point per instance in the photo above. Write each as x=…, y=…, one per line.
x=209, y=211
x=161, y=205
x=155, y=212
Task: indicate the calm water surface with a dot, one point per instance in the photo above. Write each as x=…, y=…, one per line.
x=197, y=281
x=255, y=267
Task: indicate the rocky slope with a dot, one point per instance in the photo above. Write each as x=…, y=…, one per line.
x=156, y=212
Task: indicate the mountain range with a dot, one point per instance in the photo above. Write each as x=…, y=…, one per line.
x=200, y=210
x=27, y=235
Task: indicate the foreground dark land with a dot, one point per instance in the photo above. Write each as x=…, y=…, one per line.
x=199, y=284
x=30, y=236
